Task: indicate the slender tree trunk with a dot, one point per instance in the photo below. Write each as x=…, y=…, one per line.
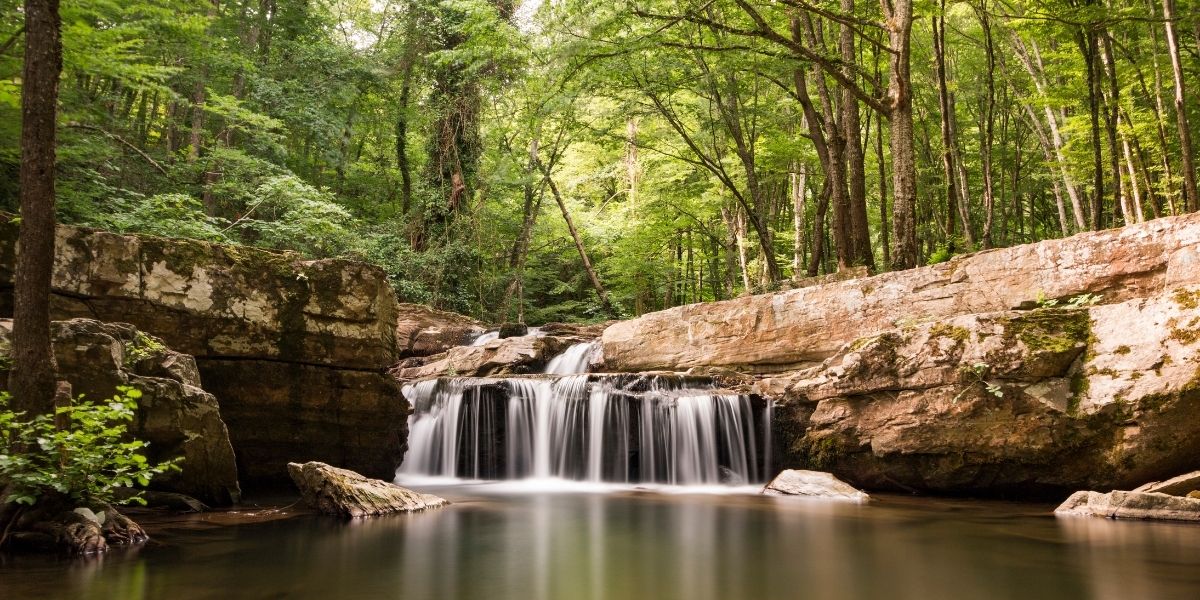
x=947, y=127
x=32, y=380
x=884, y=223
x=904, y=167
x=988, y=128
x=583, y=256
x=197, y=136
x=1032, y=61
x=1089, y=48
x=799, y=187
x=1192, y=200
x=1112, y=117
x=859, y=229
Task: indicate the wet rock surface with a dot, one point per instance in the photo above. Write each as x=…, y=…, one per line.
x=814, y=484
x=1130, y=505
x=344, y=493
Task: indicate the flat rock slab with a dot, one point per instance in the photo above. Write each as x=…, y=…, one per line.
x=814, y=484
x=344, y=493
x=1130, y=505
x=1181, y=485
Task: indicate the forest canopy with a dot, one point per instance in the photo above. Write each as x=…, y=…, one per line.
x=561, y=160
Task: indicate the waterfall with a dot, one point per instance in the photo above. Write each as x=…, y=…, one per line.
x=490, y=336
x=595, y=428
x=485, y=337
x=574, y=360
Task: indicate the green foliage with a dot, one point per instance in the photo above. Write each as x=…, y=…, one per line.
x=142, y=348
x=169, y=215
x=86, y=462
x=291, y=214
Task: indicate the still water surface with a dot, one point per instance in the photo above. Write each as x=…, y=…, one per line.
x=501, y=543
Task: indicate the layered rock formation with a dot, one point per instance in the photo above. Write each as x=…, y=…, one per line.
x=506, y=356
x=422, y=331
x=294, y=350
x=1048, y=368
x=174, y=415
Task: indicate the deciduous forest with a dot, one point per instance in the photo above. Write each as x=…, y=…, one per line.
x=580, y=160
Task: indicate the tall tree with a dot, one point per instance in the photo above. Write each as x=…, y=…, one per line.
x=32, y=381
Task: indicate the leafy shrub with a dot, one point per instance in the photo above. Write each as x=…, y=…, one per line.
x=86, y=461
x=169, y=215
x=294, y=215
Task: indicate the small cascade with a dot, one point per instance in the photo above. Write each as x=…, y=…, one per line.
x=575, y=360
x=486, y=337
x=595, y=428
x=491, y=336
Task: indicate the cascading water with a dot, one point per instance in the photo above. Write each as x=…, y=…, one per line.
x=574, y=361
x=596, y=428
x=485, y=337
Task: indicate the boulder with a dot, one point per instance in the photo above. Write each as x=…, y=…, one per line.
x=507, y=356
x=343, y=493
x=422, y=331
x=174, y=414
x=814, y=484
x=1015, y=402
x=301, y=345
x=1181, y=485
x=1130, y=505
x=802, y=327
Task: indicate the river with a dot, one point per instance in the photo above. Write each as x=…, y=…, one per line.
x=506, y=541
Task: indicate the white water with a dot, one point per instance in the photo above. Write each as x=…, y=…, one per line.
x=485, y=338
x=492, y=336
x=583, y=429
x=575, y=360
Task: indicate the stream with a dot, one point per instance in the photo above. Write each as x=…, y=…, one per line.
x=598, y=542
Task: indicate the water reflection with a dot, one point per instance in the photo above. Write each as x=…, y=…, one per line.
x=631, y=546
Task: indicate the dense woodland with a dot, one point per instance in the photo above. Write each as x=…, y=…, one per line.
x=575, y=159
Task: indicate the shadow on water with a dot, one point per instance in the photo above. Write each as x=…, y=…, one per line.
x=632, y=545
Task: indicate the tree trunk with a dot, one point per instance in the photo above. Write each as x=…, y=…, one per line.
x=988, y=128
x=949, y=170
x=799, y=187
x=587, y=263
x=1033, y=65
x=859, y=229
x=1089, y=48
x=1192, y=200
x=904, y=167
x=32, y=380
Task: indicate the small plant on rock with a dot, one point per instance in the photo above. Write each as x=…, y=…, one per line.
x=977, y=374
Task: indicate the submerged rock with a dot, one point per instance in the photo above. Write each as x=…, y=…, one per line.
x=1181, y=485
x=1130, y=505
x=815, y=484
x=344, y=493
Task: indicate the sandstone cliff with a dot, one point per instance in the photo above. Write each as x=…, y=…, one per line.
x=294, y=350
